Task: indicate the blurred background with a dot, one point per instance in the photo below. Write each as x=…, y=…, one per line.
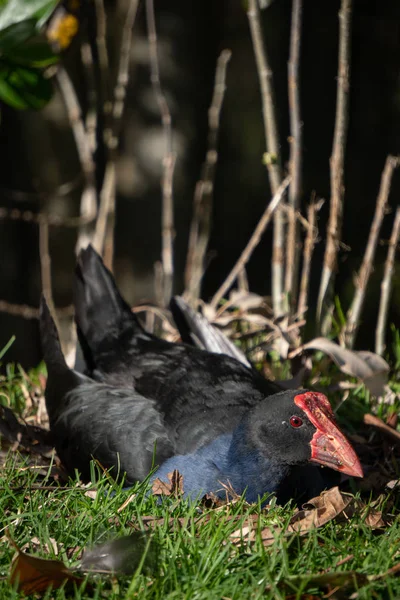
x=40, y=169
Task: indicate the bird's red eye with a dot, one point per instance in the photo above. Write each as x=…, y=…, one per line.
x=296, y=421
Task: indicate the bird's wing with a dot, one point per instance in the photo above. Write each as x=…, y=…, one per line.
x=116, y=427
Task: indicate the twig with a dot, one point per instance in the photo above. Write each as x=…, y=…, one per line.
x=272, y=156
x=45, y=264
x=324, y=305
x=383, y=428
x=88, y=207
x=169, y=158
x=97, y=66
x=30, y=312
x=252, y=243
x=123, y=69
x=107, y=198
x=386, y=286
x=243, y=282
x=296, y=126
x=200, y=226
x=309, y=244
x=27, y=216
x=353, y=315
x=104, y=235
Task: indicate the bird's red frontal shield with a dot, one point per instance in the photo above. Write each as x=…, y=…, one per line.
x=329, y=446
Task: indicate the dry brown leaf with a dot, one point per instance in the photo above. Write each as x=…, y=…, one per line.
x=245, y=300
x=374, y=519
x=35, y=575
x=331, y=504
x=318, y=511
x=370, y=368
x=173, y=488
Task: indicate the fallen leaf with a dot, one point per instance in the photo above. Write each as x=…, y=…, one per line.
x=91, y=494
x=173, y=488
x=34, y=575
x=245, y=300
x=318, y=511
x=368, y=367
x=330, y=505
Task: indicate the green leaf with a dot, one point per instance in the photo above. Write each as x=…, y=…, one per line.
x=16, y=34
x=24, y=88
x=36, y=52
x=17, y=11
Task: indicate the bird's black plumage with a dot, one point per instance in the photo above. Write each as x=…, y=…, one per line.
x=301, y=483
x=125, y=431
x=201, y=394
x=201, y=397
x=117, y=426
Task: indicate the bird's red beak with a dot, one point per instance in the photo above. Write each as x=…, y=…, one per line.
x=329, y=446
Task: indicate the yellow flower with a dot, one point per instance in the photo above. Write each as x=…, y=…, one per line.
x=62, y=30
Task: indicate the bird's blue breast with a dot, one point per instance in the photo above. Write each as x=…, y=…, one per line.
x=224, y=462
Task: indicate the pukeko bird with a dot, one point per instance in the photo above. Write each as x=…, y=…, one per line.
x=125, y=431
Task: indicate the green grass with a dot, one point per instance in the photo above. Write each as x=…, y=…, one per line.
x=192, y=555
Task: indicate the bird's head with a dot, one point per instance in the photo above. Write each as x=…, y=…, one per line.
x=297, y=426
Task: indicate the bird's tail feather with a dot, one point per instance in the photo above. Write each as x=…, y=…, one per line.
x=198, y=331
x=51, y=346
x=99, y=307
x=60, y=378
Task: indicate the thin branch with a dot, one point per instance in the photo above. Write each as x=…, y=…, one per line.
x=309, y=245
x=104, y=235
x=168, y=232
x=337, y=166
x=252, y=243
x=200, y=226
x=123, y=68
x=107, y=202
x=27, y=216
x=88, y=207
x=272, y=155
x=353, y=315
x=45, y=265
x=386, y=286
x=30, y=312
x=296, y=125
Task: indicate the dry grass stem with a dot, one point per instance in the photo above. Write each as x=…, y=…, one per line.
x=386, y=286
x=30, y=312
x=324, y=306
x=45, y=264
x=27, y=216
x=88, y=207
x=106, y=213
x=168, y=232
x=309, y=244
x=123, y=67
x=353, y=315
x=272, y=155
x=200, y=226
x=252, y=243
x=296, y=126
x=104, y=235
